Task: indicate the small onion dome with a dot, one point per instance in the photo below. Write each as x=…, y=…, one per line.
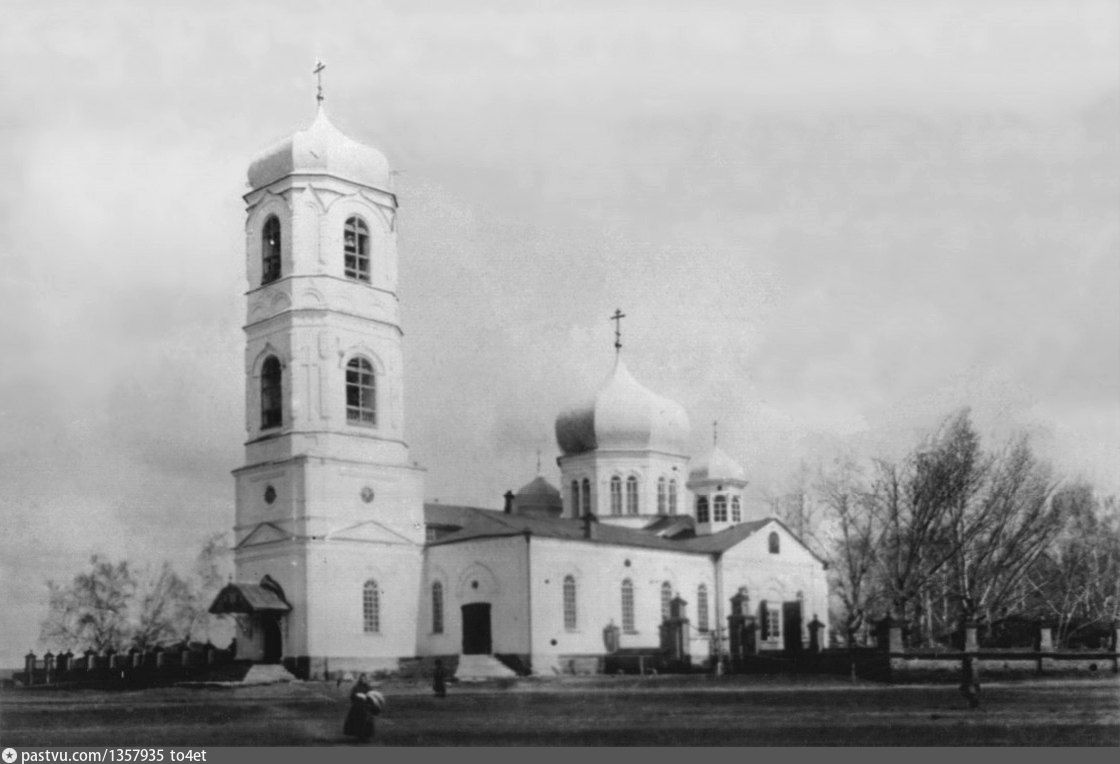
x=623, y=416
x=321, y=149
x=717, y=465
x=538, y=498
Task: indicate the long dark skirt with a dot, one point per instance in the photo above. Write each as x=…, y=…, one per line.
x=359, y=722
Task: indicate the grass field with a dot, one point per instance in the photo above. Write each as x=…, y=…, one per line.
x=657, y=711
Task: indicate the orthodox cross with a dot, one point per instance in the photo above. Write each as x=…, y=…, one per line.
x=318, y=72
x=715, y=432
x=617, y=318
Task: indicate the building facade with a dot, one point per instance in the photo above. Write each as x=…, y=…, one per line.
x=341, y=566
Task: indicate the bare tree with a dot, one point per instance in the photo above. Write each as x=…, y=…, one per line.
x=93, y=610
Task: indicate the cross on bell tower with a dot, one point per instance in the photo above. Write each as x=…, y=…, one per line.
x=318, y=72
x=617, y=318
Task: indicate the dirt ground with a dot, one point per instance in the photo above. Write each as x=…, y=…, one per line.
x=623, y=711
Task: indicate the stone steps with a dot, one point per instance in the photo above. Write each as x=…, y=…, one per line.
x=268, y=673
x=479, y=668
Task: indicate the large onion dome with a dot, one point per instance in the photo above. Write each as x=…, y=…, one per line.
x=538, y=498
x=623, y=415
x=321, y=149
x=717, y=465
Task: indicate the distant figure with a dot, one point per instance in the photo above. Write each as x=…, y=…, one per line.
x=439, y=679
x=359, y=721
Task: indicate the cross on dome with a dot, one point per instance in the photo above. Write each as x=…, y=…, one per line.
x=617, y=318
x=318, y=72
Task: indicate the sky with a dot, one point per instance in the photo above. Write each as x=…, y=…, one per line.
x=829, y=224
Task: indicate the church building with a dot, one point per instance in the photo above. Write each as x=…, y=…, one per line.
x=341, y=566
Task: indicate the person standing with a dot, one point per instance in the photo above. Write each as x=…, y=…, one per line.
x=439, y=679
x=359, y=720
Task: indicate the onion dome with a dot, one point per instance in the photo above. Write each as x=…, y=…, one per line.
x=538, y=498
x=623, y=416
x=717, y=465
x=321, y=149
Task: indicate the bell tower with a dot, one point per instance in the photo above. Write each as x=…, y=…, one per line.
x=329, y=504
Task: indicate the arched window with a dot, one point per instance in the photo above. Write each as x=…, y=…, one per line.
x=719, y=509
x=586, y=496
x=356, y=247
x=701, y=509
x=736, y=511
x=361, y=392
x=270, y=250
x=775, y=543
x=272, y=405
x=661, y=497
x=569, y=603
x=666, y=599
x=616, y=495
x=672, y=497
x=371, y=608
x=628, y=606
x=575, y=499
x=437, y=608
x=631, y=495
x=702, y=607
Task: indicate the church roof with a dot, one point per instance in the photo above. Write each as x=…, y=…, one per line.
x=321, y=149
x=623, y=415
x=717, y=465
x=482, y=523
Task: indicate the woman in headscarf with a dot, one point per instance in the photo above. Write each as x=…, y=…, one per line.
x=359, y=721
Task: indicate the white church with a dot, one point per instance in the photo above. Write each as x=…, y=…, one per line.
x=340, y=564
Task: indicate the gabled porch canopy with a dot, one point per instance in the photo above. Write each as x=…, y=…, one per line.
x=265, y=597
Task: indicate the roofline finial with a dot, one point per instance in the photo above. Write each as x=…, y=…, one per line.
x=617, y=318
x=318, y=72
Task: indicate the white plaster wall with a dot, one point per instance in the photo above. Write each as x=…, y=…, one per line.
x=499, y=567
x=284, y=562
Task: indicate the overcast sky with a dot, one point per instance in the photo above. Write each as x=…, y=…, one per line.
x=829, y=225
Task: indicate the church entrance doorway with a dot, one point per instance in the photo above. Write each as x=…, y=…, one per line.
x=791, y=626
x=476, y=629
x=270, y=632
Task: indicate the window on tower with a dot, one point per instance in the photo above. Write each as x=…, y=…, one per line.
x=575, y=499
x=701, y=509
x=616, y=495
x=371, y=608
x=361, y=392
x=356, y=249
x=672, y=497
x=719, y=509
x=736, y=510
x=661, y=498
x=270, y=250
x=271, y=397
x=586, y=496
x=631, y=495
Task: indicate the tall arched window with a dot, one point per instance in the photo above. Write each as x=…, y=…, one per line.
x=775, y=543
x=361, y=392
x=586, y=496
x=661, y=496
x=272, y=406
x=356, y=246
x=628, y=606
x=701, y=509
x=631, y=495
x=371, y=608
x=437, y=608
x=719, y=509
x=666, y=599
x=672, y=497
x=736, y=510
x=270, y=250
x=569, y=603
x=575, y=499
x=616, y=495
x=702, y=607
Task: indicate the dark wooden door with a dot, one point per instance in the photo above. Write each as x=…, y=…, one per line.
x=476, y=629
x=273, y=644
x=791, y=626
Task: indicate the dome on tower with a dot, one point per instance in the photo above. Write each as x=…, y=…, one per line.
x=538, y=498
x=717, y=465
x=321, y=148
x=623, y=415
